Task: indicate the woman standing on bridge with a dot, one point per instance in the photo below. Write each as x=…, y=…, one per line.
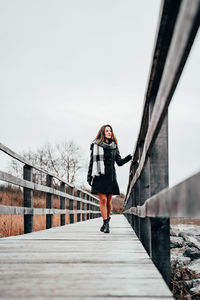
x=101, y=171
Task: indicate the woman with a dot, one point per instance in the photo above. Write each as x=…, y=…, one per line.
x=101, y=172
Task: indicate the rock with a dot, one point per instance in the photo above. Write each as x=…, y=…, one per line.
x=194, y=267
x=195, y=291
x=192, y=252
x=183, y=234
x=185, y=261
x=196, y=282
x=174, y=231
x=188, y=230
x=187, y=283
x=177, y=251
x=179, y=260
x=176, y=242
x=193, y=242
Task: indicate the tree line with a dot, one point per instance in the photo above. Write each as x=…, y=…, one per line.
x=63, y=159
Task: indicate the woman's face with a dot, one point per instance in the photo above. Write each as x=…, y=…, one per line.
x=108, y=132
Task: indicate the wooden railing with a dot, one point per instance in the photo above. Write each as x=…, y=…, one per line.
x=149, y=203
x=87, y=205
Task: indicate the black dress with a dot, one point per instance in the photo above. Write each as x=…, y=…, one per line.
x=106, y=184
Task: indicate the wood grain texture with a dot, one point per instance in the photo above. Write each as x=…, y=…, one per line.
x=38, y=187
x=77, y=261
x=181, y=201
x=17, y=210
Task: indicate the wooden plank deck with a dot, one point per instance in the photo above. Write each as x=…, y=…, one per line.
x=77, y=261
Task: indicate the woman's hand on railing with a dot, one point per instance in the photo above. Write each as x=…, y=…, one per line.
x=129, y=157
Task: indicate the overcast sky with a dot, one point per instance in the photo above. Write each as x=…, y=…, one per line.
x=68, y=67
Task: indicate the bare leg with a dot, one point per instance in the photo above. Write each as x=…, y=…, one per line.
x=109, y=197
x=103, y=205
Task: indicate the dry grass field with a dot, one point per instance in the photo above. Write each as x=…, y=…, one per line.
x=14, y=224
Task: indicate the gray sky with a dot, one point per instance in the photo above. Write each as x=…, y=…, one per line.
x=68, y=67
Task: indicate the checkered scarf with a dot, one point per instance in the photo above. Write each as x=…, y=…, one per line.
x=98, y=166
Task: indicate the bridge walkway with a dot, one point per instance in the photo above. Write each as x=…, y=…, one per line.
x=77, y=261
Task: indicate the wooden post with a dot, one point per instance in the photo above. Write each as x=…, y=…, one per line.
x=91, y=207
x=136, y=202
x=83, y=207
x=28, y=199
x=62, y=204
x=49, y=197
x=160, y=227
x=145, y=225
x=129, y=204
x=125, y=208
x=78, y=206
x=70, y=191
x=88, y=207
x=95, y=208
x=133, y=201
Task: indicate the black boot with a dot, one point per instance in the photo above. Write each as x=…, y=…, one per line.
x=107, y=229
x=103, y=226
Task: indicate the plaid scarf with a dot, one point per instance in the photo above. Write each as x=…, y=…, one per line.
x=98, y=167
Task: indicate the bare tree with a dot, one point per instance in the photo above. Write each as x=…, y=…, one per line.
x=70, y=159
x=64, y=160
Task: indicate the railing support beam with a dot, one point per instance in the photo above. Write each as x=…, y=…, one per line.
x=145, y=225
x=160, y=227
x=49, y=197
x=62, y=204
x=28, y=199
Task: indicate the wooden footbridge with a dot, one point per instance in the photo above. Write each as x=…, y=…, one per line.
x=77, y=261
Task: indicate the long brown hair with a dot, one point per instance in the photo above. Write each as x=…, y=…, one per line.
x=101, y=135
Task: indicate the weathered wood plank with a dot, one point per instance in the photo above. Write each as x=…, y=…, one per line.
x=91, y=286
x=18, y=210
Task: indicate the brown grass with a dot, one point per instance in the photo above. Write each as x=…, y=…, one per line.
x=14, y=224
x=117, y=203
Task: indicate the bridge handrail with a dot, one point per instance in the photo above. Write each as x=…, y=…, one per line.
x=168, y=61
x=39, y=187
x=148, y=201
x=179, y=201
x=23, y=160
x=90, y=203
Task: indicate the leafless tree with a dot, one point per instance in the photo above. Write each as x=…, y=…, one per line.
x=70, y=160
x=64, y=160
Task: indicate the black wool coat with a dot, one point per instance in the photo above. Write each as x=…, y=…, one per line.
x=107, y=184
